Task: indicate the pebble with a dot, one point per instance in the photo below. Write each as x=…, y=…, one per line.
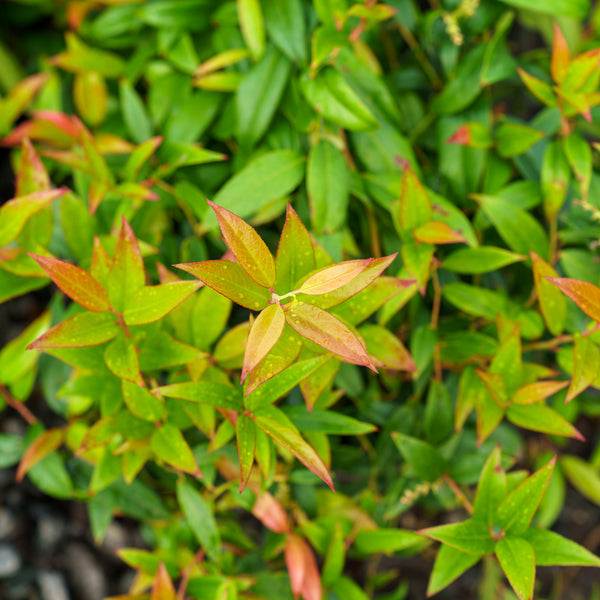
x=85, y=574
x=53, y=585
x=8, y=524
x=10, y=560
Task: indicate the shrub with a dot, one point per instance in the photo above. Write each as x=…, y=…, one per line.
x=405, y=188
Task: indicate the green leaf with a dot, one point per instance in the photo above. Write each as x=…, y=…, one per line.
x=426, y=461
x=553, y=549
x=385, y=540
x=201, y=519
x=258, y=96
x=348, y=589
x=491, y=489
x=514, y=139
x=552, y=303
x=80, y=58
x=449, y=565
x=141, y=402
x=472, y=537
x=11, y=448
x=245, y=431
x=206, y=392
x=517, y=559
x=252, y=25
x=579, y=154
x=328, y=186
x=582, y=476
x=335, y=556
x=169, y=445
x=517, y=509
x=152, y=303
x=331, y=96
x=539, y=417
x=285, y=24
x=556, y=176
x=162, y=350
x=327, y=421
x=569, y=8
x=121, y=358
x=276, y=425
x=134, y=113
x=267, y=178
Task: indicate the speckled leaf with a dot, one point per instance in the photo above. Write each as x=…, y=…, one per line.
x=449, y=565
x=121, y=358
x=245, y=431
x=472, y=537
x=82, y=329
x=586, y=295
x=387, y=348
x=206, y=392
x=169, y=445
x=78, y=284
x=538, y=391
x=553, y=549
x=141, y=402
x=15, y=213
x=586, y=361
x=230, y=280
x=247, y=246
x=491, y=488
x=152, y=303
x=517, y=559
x=327, y=331
x=264, y=333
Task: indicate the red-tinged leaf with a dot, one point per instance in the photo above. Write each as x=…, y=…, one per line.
x=561, y=57
x=151, y=303
x=76, y=283
x=437, y=232
x=540, y=89
x=305, y=579
x=42, y=446
x=552, y=303
x=542, y=418
x=19, y=98
x=63, y=122
x=169, y=445
x=295, y=254
x=415, y=207
x=536, y=392
x=245, y=431
x=247, y=246
x=80, y=330
x=333, y=277
x=327, y=331
x=16, y=212
x=162, y=587
x=580, y=102
x=121, y=358
x=230, y=280
x=386, y=347
x=32, y=175
x=276, y=425
x=270, y=513
x=496, y=386
x=586, y=295
x=586, y=361
x=109, y=143
x=127, y=274
x=474, y=135
x=69, y=159
x=375, y=268
x=101, y=262
x=264, y=333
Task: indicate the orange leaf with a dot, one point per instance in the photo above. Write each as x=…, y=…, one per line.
x=271, y=514
x=264, y=333
x=78, y=284
x=586, y=295
x=247, y=246
x=162, y=588
x=327, y=331
x=536, y=392
x=32, y=176
x=42, y=446
x=333, y=277
x=586, y=360
x=305, y=579
x=230, y=280
x=561, y=57
x=437, y=232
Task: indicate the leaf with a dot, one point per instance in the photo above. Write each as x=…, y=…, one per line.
x=553, y=549
x=556, y=176
x=513, y=139
x=252, y=25
x=491, y=488
x=561, y=57
x=569, y=8
x=336, y=555
x=19, y=98
x=328, y=186
x=80, y=58
x=276, y=425
x=517, y=509
x=332, y=277
x=469, y=536
x=82, y=329
x=43, y=445
x=32, y=175
x=78, y=284
x=517, y=559
x=327, y=421
x=426, y=461
x=200, y=517
x=151, y=303
x=538, y=391
x=266, y=178
x=162, y=586
x=586, y=295
x=552, y=304
x=387, y=348
x=579, y=154
x=15, y=213
x=134, y=113
x=437, y=232
x=247, y=246
x=414, y=207
x=327, y=331
x=449, y=565
x=245, y=431
x=295, y=255
x=206, y=392
x=121, y=358
x=141, y=402
x=582, y=476
x=230, y=280
x=586, y=361
x=169, y=445
x=539, y=417
x=284, y=20
x=264, y=334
